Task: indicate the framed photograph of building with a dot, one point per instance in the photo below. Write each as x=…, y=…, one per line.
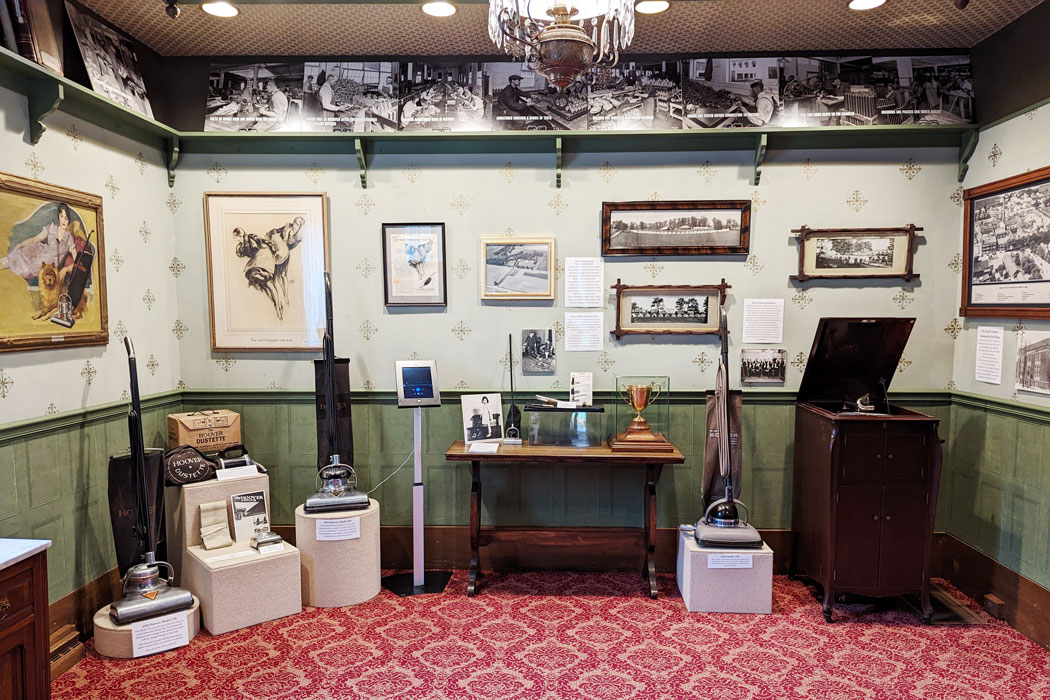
x=52, y=266
x=1033, y=361
x=855, y=253
x=668, y=309
x=517, y=268
x=676, y=228
x=1006, y=248
x=414, y=265
x=762, y=366
x=267, y=254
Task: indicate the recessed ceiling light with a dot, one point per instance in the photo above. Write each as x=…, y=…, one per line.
x=651, y=7
x=220, y=9
x=439, y=9
x=865, y=4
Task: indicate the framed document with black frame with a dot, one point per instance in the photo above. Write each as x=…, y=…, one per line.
x=414, y=265
x=1006, y=248
x=855, y=253
x=683, y=309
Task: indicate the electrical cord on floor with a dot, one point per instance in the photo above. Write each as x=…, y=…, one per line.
x=394, y=472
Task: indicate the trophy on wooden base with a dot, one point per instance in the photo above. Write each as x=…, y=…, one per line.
x=639, y=436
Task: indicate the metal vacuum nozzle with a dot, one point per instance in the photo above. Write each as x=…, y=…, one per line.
x=147, y=595
x=338, y=490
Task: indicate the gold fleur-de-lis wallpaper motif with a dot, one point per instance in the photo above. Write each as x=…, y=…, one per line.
x=181, y=385
x=125, y=396
x=73, y=134
x=6, y=384
x=366, y=268
x=116, y=259
x=605, y=362
x=507, y=360
x=995, y=154
x=509, y=233
x=177, y=267
x=808, y=169
x=752, y=265
x=119, y=331
x=800, y=361
x=1030, y=114
x=365, y=203
x=34, y=165
x=149, y=300
x=904, y=364
x=461, y=268
x=173, y=203
x=179, y=329
x=152, y=365
x=559, y=330
x=1019, y=327
x=702, y=361
x=653, y=268
x=460, y=204
x=558, y=204
x=140, y=163
x=461, y=385
x=88, y=372
x=217, y=172
x=910, y=169
x=274, y=386
x=225, y=362
x=953, y=329
x=368, y=329
x=314, y=173
x=52, y=409
x=557, y=384
x=559, y=266
x=507, y=172
x=411, y=173
x=856, y=201
x=706, y=171
x=112, y=186
x=802, y=299
x=144, y=232
x=415, y=356
x=902, y=299
x=955, y=264
x=957, y=196
x=607, y=172
x=461, y=330
x=655, y=197
x=756, y=200
x=951, y=385
x=367, y=385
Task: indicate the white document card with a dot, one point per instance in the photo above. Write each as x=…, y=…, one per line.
x=584, y=282
x=764, y=321
x=337, y=529
x=730, y=561
x=159, y=634
x=989, y=364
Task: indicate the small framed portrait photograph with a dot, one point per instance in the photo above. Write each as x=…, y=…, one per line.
x=855, y=253
x=676, y=228
x=414, y=265
x=668, y=309
x=537, y=351
x=482, y=417
x=517, y=268
x=762, y=366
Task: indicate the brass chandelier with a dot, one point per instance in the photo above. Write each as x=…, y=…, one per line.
x=562, y=39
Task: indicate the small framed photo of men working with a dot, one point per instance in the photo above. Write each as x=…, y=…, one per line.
x=855, y=253
x=517, y=268
x=537, y=351
x=482, y=417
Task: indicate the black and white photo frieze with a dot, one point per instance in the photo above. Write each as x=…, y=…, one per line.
x=661, y=308
x=255, y=97
x=537, y=351
x=1033, y=362
x=762, y=366
x=854, y=253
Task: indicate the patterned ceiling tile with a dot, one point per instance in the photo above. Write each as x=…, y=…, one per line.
x=337, y=29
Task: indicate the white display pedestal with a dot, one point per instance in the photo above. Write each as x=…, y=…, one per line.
x=341, y=571
x=115, y=641
x=706, y=587
x=238, y=587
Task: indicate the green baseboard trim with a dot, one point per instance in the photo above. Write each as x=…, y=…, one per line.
x=31, y=427
x=1004, y=407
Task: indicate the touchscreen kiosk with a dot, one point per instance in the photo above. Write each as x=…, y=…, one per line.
x=417, y=383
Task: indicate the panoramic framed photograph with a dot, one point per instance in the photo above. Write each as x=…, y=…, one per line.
x=267, y=254
x=517, y=268
x=1033, y=361
x=414, y=265
x=537, y=351
x=482, y=417
x=855, y=253
x=52, y=271
x=1006, y=248
x=668, y=309
x=762, y=366
x=676, y=228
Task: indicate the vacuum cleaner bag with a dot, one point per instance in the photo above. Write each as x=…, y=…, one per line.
x=713, y=487
x=123, y=511
x=344, y=426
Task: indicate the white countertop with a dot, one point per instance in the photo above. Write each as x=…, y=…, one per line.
x=13, y=551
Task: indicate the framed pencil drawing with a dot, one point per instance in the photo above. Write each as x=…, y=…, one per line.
x=267, y=254
x=855, y=253
x=414, y=265
x=52, y=266
x=1006, y=248
x=517, y=268
x=720, y=227
x=657, y=309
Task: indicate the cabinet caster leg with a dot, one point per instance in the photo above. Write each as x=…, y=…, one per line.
x=927, y=619
x=827, y=616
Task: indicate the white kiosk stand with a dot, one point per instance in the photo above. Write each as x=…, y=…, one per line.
x=417, y=386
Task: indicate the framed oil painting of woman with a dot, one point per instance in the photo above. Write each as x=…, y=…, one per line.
x=52, y=272
x=267, y=255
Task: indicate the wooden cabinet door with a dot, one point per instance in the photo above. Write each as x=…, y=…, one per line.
x=857, y=523
x=903, y=543
x=17, y=665
x=906, y=458
x=862, y=456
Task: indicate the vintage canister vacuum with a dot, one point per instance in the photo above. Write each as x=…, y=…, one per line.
x=721, y=524
x=146, y=594
x=337, y=481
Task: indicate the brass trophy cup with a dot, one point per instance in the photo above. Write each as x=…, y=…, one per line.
x=638, y=436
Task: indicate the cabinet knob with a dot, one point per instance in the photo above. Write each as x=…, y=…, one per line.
x=887, y=517
x=878, y=456
x=889, y=456
x=874, y=517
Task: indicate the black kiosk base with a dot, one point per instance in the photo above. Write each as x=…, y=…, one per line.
x=404, y=584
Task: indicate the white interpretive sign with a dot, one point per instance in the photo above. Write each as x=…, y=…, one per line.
x=584, y=331
x=730, y=561
x=584, y=282
x=581, y=388
x=764, y=321
x=989, y=364
x=159, y=634
x=335, y=529
x=485, y=448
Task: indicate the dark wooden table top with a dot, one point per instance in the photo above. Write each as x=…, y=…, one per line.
x=558, y=453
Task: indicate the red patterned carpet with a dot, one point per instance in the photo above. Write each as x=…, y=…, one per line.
x=576, y=635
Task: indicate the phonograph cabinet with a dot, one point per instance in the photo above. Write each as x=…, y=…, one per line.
x=866, y=472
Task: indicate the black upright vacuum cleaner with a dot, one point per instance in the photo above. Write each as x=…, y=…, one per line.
x=145, y=594
x=338, y=481
x=721, y=524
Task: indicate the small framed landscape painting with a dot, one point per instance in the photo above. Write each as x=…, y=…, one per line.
x=676, y=228
x=855, y=253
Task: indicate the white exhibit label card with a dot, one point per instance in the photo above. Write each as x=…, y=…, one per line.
x=989, y=365
x=581, y=388
x=730, y=561
x=584, y=331
x=485, y=448
x=584, y=282
x=231, y=555
x=236, y=472
x=159, y=634
x=271, y=548
x=763, y=321
x=335, y=529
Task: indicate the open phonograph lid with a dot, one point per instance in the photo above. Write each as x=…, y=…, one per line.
x=851, y=355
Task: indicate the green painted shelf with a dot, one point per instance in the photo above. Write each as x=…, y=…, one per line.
x=46, y=92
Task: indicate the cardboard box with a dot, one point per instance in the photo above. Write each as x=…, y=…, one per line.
x=208, y=431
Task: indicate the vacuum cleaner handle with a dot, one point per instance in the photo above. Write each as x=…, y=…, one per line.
x=138, y=453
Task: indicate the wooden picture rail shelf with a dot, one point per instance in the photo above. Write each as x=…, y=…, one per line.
x=46, y=91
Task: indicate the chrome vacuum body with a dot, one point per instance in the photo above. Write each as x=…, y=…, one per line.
x=145, y=593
